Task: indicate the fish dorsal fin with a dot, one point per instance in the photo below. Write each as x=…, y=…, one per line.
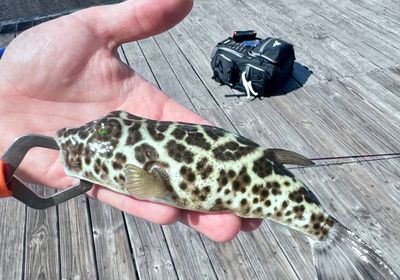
x=143, y=184
x=281, y=156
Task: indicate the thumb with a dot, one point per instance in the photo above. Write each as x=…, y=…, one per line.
x=134, y=19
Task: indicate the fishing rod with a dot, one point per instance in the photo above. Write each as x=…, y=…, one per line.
x=358, y=159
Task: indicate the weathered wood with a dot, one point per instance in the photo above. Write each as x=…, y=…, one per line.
x=344, y=29
x=12, y=233
x=349, y=105
x=76, y=241
x=41, y=241
x=112, y=249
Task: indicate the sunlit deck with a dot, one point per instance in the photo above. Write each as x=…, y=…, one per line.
x=343, y=98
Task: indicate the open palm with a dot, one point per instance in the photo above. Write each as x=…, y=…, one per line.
x=67, y=72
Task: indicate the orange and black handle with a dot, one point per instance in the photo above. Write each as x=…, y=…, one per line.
x=4, y=190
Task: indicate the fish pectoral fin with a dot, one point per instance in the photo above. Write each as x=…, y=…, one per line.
x=143, y=184
x=288, y=157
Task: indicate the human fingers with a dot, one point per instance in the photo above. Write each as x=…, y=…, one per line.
x=220, y=227
x=150, y=211
x=134, y=20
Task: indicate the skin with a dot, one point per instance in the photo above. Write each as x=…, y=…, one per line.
x=66, y=72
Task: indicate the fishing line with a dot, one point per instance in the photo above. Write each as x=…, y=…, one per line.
x=356, y=159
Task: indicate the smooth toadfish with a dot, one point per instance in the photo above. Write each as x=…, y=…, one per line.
x=205, y=168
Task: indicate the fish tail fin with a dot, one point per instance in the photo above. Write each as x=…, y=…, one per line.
x=343, y=255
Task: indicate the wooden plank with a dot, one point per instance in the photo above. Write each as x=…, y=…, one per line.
x=12, y=245
x=329, y=42
x=77, y=254
x=160, y=69
x=42, y=255
x=152, y=257
x=346, y=28
x=113, y=255
x=376, y=23
x=277, y=262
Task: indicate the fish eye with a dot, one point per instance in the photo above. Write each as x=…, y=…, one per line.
x=104, y=130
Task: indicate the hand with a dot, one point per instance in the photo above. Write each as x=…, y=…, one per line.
x=67, y=72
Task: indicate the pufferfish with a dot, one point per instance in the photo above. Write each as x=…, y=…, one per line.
x=205, y=168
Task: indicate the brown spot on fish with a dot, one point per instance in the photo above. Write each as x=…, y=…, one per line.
x=222, y=179
x=183, y=186
x=227, y=191
x=191, y=177
x=256, y=189
x=288, y=213
x=262, y=167
x=134, y=135
x=183, y=170
x=145, y=152
x=197, y=139
x=255, y=200
x=163, y=126
x=151, y=128
x=236, y=185
x=179, y=152
x=201, y=164
x=231, y=173
x=231, y=151
x=203, y=169
x=88, y=160
x=284, y=204
x=264, y=193
x=179, y=133
x=213, y=132
x=267, y=203
x=89, y=175
x=196, y=192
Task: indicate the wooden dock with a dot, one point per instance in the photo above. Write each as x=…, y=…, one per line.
x=343, y=99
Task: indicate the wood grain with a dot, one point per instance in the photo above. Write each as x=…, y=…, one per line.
x=41, y=241
x=77, y=256
x=349, y=105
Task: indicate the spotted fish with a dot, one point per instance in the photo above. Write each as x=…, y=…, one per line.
x=205, y=168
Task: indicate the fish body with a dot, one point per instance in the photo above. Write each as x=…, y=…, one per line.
x=194, y=167
x=204, y=168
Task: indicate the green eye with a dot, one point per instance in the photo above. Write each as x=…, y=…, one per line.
x=104, y=131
